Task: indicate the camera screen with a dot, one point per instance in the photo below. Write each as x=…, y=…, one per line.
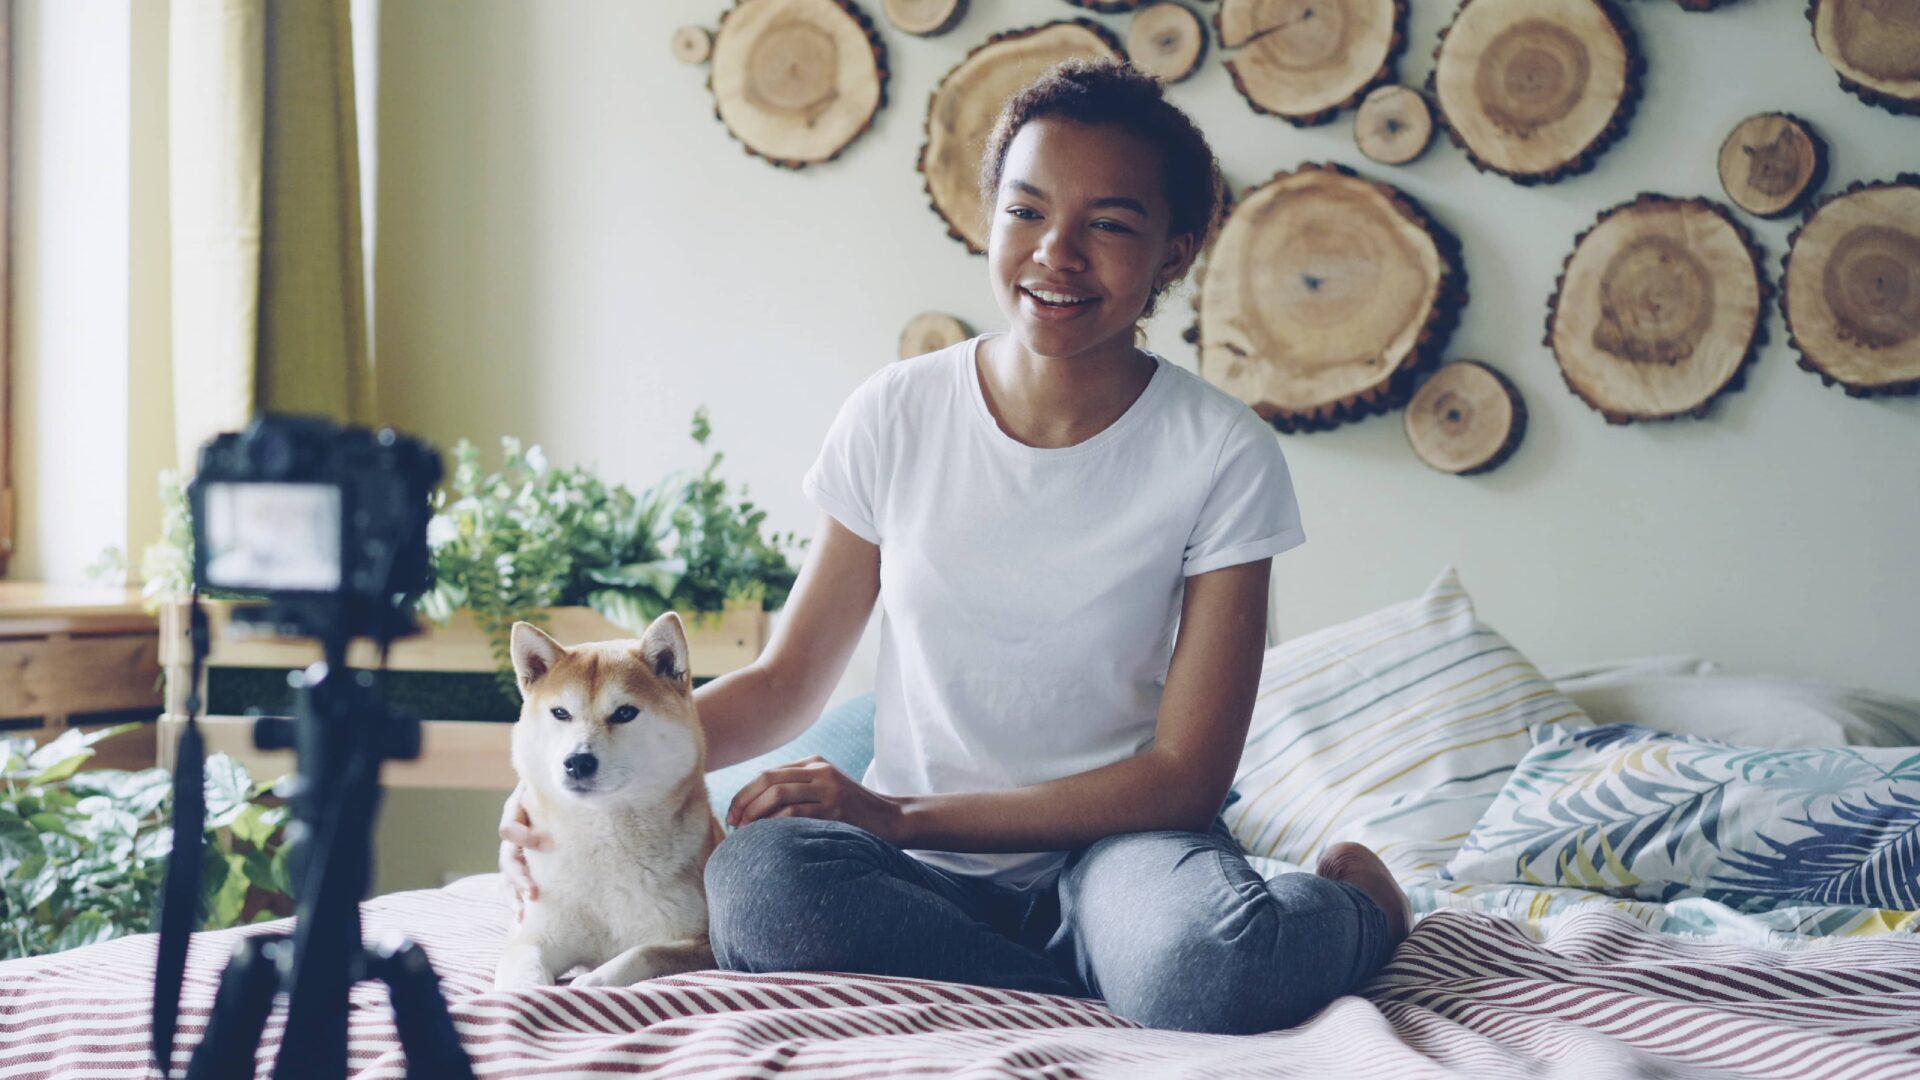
x=273, y=537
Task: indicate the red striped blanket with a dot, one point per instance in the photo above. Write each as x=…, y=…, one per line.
x=1465, y=995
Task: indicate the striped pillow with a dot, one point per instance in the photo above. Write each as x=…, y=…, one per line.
x=1396, y=729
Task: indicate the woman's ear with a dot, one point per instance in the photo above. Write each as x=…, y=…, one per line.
x=1181, y=251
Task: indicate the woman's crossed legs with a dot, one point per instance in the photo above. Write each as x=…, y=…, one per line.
x=1173, y=929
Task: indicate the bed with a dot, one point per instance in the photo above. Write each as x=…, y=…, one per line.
x=1677, y=933
x=1588, y=992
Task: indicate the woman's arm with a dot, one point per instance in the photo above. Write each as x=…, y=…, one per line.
x=771, y=701
x=1179, y=783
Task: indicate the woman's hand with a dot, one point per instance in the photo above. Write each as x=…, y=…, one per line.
x=517, y=834
x=815, y=788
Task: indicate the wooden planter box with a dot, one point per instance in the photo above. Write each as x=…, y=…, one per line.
x=455, y=752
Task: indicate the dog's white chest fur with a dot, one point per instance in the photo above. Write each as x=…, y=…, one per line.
x=615, y=882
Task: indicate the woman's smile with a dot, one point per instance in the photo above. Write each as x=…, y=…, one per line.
x=1055, y=304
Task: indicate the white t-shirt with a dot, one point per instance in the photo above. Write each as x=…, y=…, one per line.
x=1029, y=596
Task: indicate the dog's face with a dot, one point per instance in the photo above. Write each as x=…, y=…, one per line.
x=609, y=719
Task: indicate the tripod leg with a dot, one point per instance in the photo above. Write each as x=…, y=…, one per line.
x=426, y=1027
x=240, y=1009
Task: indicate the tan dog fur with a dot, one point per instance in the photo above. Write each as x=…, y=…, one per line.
x=621, y=888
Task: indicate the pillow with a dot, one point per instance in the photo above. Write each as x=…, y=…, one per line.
x=1395, y=729
x=1633, y=812
x=1748, y=710
x=1609, y=671
x=842, y=735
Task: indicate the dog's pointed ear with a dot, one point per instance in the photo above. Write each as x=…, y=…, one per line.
x=534, y=654
x=664, y=646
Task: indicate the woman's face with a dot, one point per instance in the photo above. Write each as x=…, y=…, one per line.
x=1080, y=236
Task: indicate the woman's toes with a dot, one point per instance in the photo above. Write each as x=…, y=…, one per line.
x=1358, y=866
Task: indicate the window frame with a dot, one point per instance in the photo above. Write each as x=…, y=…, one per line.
x=7, y=500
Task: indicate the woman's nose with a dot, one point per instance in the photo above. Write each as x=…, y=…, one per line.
x=1059, y=251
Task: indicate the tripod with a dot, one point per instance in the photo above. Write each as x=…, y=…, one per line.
x=343, y=733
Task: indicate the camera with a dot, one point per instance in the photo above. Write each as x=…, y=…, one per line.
x=328, y=522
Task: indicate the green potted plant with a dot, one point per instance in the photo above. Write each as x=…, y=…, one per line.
x=532, y=538
x=83, y=854
x=539, y=542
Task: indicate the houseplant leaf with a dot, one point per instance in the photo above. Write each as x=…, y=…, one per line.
x=630, y=609
x=659, y=576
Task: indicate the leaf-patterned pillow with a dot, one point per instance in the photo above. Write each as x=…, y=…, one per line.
x=1633, y=812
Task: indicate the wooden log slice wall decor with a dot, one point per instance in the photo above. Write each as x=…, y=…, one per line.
x=1852, y=288
x=1324, y=296
x=796, y=81
x=1167, y=41
x=1466, y=419
x=1305, y=60
x=931, y=331
x=1770, y=163
x=1659, y=309
x=1393, y=125
x=692, y=44
x=924, y=18
x=963, y=108
x=1874, y=46
x=1535, y=90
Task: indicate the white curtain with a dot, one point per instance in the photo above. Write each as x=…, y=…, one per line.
x=216, y=103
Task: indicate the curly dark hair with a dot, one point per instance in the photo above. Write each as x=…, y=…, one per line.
x=1113, y=92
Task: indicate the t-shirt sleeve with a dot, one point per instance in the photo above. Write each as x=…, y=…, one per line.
x=1249, y=512
x=845, y=477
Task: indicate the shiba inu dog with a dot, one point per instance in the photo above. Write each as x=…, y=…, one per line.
x=612, y=764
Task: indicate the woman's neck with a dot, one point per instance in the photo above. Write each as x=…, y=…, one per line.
x=1053, y=402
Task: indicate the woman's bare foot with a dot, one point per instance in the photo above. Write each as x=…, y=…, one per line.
x=1358, y=866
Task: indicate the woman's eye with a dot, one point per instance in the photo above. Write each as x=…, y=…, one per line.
x=1023, y=213
x=624, y=713
x=561, y=714
x=1111, y=226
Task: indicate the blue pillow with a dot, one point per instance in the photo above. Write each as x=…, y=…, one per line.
x=1633, y=812
x=842, y=735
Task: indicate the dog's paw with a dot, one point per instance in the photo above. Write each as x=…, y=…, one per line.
x=520, y=976
x=601, y=976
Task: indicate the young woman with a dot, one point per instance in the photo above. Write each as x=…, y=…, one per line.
x=1039, y=511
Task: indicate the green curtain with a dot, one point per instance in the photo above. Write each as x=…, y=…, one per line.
x=268, y=291
x=313, y=320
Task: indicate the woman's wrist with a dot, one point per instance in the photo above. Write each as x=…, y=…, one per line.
x=907, y=819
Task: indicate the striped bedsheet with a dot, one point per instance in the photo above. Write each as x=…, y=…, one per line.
x=1466, y=995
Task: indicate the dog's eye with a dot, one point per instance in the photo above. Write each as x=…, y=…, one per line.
x=561, y=714
x=624, y=713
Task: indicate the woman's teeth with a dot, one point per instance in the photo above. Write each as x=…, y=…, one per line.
x=1056, y=299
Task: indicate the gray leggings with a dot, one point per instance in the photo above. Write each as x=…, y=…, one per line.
x=1173, y=929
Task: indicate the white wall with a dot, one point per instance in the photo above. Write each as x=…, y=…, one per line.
x=573, y=250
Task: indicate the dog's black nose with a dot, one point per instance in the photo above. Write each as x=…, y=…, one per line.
x=581, y=766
